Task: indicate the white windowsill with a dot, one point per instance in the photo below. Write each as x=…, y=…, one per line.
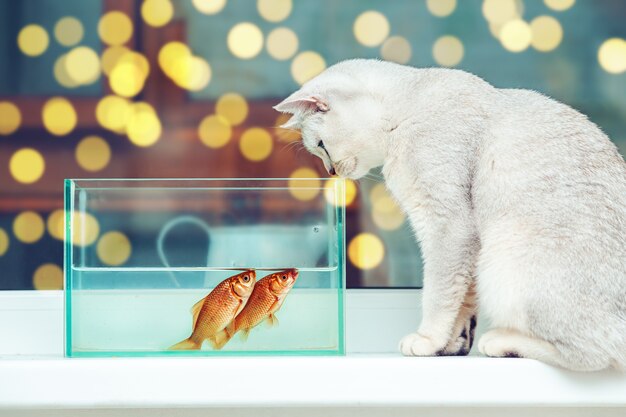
x=40, y=378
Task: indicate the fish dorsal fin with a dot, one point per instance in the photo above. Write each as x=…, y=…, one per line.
x=195, y=312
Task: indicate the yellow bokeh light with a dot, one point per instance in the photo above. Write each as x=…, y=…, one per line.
x=61, y=74
x=113, y=248
x=516, y=35
x=113, y=112
x=366, y=251
x=245, y=40
x=85, y=229
x=4, y=241
x=33, y=40
x=27, y=165
x=385, y=212
x=307, y=65
x=59, y=116
x=192, y=73
x=93, y=153
x=559, y=5
x=111, y=56
x=171, y=53
x=612, y=55
x=329, y=191
x=500, y=11
x=282, y=43
x=115, y=28
x=10, y=118
x=546, y=33
x=144, y=127
x=82, y=65
x=285, y=135
x=396, y=49
x=233, y=107
x=274, y=10
x=256, y=144
x=441, y=8
x=127, y=79
x=28, y=227
x=448, y=51
x=214, y=131
x=157, y=13
x=371, y=28
x=68, y=31
x=304, y=184
x=209, y=6
x=56, y=224
x=48, y=277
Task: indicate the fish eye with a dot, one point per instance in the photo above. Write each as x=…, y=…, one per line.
x=246, y=278
x=284, y=277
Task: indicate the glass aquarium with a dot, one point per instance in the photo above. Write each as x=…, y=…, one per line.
x=140, y=254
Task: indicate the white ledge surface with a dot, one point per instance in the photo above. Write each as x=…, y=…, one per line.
x=351, y=381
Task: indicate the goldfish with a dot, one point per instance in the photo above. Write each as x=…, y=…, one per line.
x=218, y=309
x=268, y=296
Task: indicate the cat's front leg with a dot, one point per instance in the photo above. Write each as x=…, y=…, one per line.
x=449, y=247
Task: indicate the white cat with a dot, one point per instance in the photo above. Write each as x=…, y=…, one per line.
x=513, y=196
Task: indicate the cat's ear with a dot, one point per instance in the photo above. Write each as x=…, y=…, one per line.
x=294, y=123
x=300, y=102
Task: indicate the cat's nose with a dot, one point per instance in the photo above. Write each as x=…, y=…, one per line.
x=331, y=170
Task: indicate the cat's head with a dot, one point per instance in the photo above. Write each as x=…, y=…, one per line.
x=340, y=122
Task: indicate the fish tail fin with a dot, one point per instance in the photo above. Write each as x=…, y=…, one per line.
x=220, y=339
x=186, y=344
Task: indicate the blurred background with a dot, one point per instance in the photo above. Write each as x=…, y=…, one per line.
x=184, y=88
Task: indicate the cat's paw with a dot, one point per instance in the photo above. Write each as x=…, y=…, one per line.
x=462, y=344
x=415, y=344
x=498, y=343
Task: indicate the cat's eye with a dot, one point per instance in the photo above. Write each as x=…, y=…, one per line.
x=321, y=145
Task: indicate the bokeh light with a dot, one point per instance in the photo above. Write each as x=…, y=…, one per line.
x=61, y=74
x=33, y=40
x=115, y=28
x=546, y=33
x=27, y=165
x=214, y=131
x=499, y=12
x=10, y=118
x=516, y=35
x=233, y=107
x=157, y=13
x=93, y=153
x=113, y=113
x=4, y=242
x=113, y=248
x=559, y=5
x=396, y=49
x=245, y=40
x=127, y=79
x=144, y=127
x=282, y=43
x=256, y=144
x=170, y=53
x=329, y=191
x=441, y=8
x=85, y=229
x=192, y=73
x=68, y=31
x=304, y=184
x=59, y=116
x=366, y=251
x=48, y=277
x=612, y=55
x=82, y=65
x=385, y=212
x=307, y=65
x=28, y=227
x=111, y=56
x=371, y=28
x=274, y=10
x=448, y=51
x=209, y=6
x=56, y=224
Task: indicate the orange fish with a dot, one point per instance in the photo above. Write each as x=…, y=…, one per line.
x=266, y=299
x=216, y=310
